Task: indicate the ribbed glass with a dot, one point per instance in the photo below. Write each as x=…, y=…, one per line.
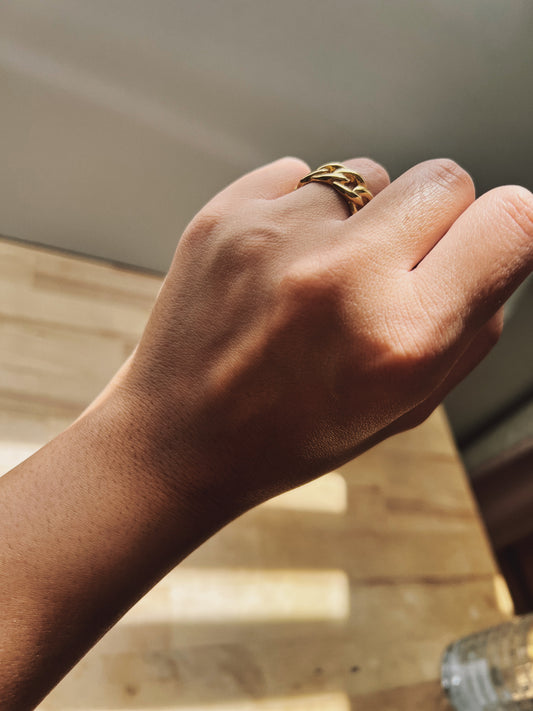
x=491, y=670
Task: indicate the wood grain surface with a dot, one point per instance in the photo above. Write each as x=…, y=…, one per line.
x=339, y=595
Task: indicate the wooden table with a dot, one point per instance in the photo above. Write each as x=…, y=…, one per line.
x=339, y=595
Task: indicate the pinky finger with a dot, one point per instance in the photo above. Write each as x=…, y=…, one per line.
x=479, y=347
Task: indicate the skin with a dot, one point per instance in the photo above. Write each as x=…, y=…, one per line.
x=287, y=338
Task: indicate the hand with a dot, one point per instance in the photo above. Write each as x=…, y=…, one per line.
x=289, y=336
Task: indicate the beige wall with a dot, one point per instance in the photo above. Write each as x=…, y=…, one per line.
x=66, y=325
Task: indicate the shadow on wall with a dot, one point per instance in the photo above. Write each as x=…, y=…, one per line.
x=498, y=388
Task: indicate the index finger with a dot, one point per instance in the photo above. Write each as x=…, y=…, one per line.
x=482, y=258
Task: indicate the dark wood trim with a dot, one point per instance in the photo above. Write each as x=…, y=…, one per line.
x=504, y=491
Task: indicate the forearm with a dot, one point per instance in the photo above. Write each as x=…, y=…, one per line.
x=87, y=525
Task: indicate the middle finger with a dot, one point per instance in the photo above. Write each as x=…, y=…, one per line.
x=405, y=221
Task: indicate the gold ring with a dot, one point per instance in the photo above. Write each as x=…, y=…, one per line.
x=347, y=182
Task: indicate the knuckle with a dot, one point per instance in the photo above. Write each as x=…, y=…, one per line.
x=368, y=166
x=449, y=174
x=516, y=204
x=420, y=414
x=294, y=164
x=239, y=238
x=417, y=357
x=255, y=238
x=418, y=354
x=308, y=285
x=493, y=330
x=204, y=224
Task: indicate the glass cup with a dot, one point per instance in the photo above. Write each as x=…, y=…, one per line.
x=491, y=670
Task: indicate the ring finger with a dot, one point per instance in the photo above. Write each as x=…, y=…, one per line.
x=319, y=201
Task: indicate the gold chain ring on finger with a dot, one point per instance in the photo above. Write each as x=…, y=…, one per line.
x=347, y=182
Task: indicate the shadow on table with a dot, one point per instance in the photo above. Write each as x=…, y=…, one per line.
x=338, y=597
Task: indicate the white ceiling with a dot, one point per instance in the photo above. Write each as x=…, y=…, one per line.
x=121, y=118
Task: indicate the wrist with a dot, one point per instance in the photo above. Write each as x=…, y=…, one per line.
x=161, y=467
x=89, y=524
